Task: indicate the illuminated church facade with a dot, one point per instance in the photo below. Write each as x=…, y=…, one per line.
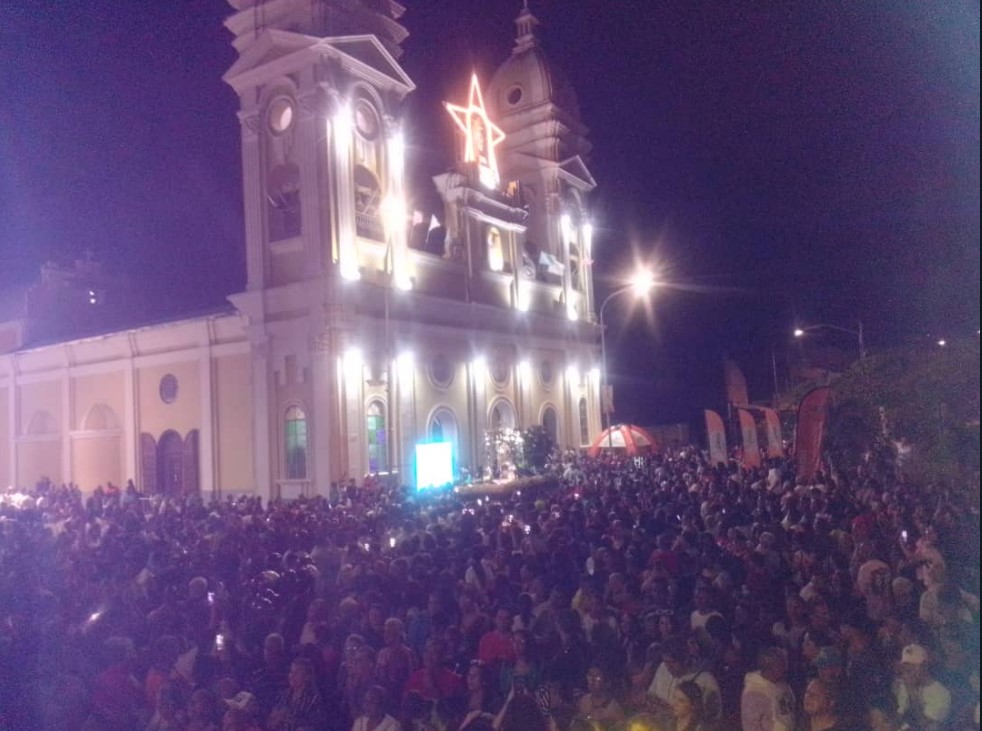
x=365, y=327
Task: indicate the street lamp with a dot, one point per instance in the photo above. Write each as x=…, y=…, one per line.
x=858, y=334
x=641, y=283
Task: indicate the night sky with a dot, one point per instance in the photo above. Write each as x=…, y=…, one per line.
x=809, y=161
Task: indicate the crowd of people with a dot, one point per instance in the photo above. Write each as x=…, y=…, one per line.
x=643, y=594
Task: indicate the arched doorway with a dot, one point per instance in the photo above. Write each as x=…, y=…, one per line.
x=378, y=451
x=502, y=416
x=170, y=464
x=443, y=428
x=550, y=422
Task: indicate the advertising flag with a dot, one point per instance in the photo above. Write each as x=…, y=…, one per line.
x=775, y=442
x=748, y=433
x=810, y=431
x=716, y=436
x=736, y=384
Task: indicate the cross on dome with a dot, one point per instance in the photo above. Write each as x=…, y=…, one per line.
x=481, y=135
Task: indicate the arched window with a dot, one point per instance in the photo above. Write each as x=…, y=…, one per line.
x=283, y=198
x=496, y=250
x=584, y=423
x=550, y=422
x=368, y=198
x=378, y=451
x=100, y=418
x=443, y=427
x=502, y=416
x=574, y=267
x=42, y=422
x=295, y=433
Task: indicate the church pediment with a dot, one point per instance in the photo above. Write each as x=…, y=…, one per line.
x=369, y=51
x=270, y=46
x=576, y=169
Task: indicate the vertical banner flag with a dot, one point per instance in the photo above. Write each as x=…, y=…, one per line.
x=736, y=384
x=748, y=432
x=716, y=436
x=775, y=443
x=810, y=431
x=607, y=399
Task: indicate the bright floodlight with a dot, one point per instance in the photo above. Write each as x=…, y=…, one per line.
x=643, y=282
x=942, y=343
x=798, y=332
x=434, y=465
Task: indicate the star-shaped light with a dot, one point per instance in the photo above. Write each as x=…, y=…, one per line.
x=481, y=135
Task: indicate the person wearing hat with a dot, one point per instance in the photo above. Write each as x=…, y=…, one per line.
x=921, y=700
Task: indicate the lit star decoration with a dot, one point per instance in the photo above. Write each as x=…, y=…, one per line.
x=481, y=135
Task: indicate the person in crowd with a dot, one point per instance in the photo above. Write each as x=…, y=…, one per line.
x=687, y=708
x=921, y=700
x=301, y=707
x=395, y=662
x=676, y=667
x=496, y=645
x=767, y=703
x=433, y=681
x=373, y=716
x=597, y=704
x=821, y=707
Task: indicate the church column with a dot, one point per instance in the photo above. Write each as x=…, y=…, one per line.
x=261, y=414
x=565, y=234
x=13, y=422
x=252, y=185
x=586, y=235
x=325, y=427
x=315, y=216
x=343, y=180
x=131, y=436
x=66, y=424
x=206, y=444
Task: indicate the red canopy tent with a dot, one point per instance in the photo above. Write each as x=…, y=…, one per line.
x=633, y=440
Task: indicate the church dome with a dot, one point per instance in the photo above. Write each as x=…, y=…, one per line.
x=527, y=78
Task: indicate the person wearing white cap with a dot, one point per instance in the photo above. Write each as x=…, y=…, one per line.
x=921, y=700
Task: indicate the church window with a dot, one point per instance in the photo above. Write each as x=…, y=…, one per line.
x=368, y=194
x=574, y=267
x=283, y=197
x=584, y=423
x=280, y=114
x=295, y=432
x=378, y=458
x=496, y=251
x=367, y=137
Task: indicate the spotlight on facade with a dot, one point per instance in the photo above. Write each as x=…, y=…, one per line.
x=524, y=370
x=479, y=367
x=405, y=366
x=352, y=365
x=798, y=332
x=573, y=374
x=942, y=343
x=571, y=312
x=595, y=374
x=397, y=152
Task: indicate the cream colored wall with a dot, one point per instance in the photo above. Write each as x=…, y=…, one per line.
x=100, y=388
x=96, y=461
x=429, y=398
x=6, y=438
x=37, y=459
x=184, y=414
x=40, y=396
x=553, y=394
x=233, y=391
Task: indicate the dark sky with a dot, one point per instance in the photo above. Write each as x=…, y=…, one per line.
x=817, y=161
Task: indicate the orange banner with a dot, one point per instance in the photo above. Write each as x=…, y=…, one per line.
x=716, y=436
x=775, y=441
x=748, y=432
x=736, y=384
x=810, y=431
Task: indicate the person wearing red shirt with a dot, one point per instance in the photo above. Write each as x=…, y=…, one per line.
x=434, y=682
x=496, y=646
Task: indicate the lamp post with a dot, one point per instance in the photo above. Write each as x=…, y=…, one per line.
x=640, y=285
x=857, y=333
